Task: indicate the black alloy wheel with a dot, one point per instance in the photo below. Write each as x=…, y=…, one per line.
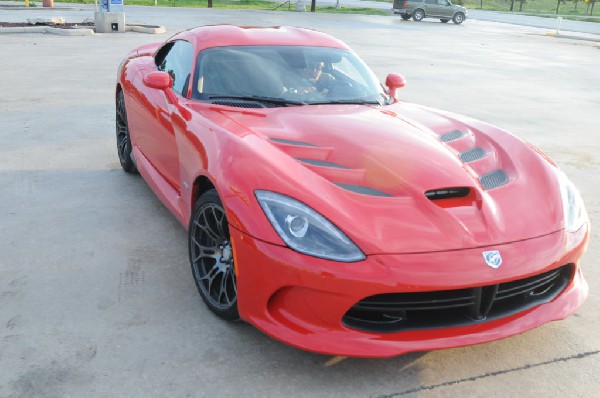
x=123, y=139
x=211, y=256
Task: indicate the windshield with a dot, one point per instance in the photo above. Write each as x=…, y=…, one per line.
x=285, y=74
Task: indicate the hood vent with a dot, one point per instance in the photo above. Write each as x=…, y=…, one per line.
x=239, y=104
x=494, y=179
x=322, y=163
x=451, y=136
x=447, y=193
x=363, y=190
x=472, y=155
x=290, y=142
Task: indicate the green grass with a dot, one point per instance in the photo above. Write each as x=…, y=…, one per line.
x=531, y=7
x=235, y=4
x=570, y=17
x=534, y=7
x=571, y=9
x=352, y=10
x=246, y=4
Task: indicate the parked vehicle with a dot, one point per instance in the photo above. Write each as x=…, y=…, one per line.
x=334, y=216
x=419, y=9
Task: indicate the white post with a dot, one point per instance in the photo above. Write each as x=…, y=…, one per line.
x=558, y=22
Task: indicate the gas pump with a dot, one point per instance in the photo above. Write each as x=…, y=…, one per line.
x=109, y=16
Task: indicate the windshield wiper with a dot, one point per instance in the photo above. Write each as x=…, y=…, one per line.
x=257, y=98
x=355, y=101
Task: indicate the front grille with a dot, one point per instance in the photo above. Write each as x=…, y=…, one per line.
x=395, y=312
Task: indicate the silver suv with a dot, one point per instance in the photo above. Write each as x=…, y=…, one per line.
x=419, y=9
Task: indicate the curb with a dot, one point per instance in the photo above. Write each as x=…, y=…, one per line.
x=144, y=29
x=49, y=29
x=573, y=37
x=78, y=31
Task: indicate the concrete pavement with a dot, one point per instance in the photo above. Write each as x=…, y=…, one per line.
x=96, y=294
x=135, y=14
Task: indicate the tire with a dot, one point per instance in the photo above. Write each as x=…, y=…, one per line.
x=418, y=15
x=406, y=17
x=458, y=18
x=211, y=256
x=444, y=20
x=123, y=139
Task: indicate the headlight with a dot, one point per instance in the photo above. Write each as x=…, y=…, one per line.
x=305, y=230
x=573, y=208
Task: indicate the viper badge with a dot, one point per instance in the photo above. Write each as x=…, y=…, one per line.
x=493, y=258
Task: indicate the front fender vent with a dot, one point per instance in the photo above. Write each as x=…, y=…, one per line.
x=447, y=193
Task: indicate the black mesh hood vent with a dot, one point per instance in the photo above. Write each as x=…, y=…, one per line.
x=494, y=179
x=472, y=155
x=451, y=136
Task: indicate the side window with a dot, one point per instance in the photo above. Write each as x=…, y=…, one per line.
x=430, y=2
x=175, y=58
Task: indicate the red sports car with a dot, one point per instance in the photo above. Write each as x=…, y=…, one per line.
x=333, y=216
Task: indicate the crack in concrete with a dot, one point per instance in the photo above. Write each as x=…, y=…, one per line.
x=491, y=374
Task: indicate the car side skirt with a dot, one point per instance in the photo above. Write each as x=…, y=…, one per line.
x=161, y=187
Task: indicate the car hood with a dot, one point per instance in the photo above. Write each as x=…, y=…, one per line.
x=404, y=178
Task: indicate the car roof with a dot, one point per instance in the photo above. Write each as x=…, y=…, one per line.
x=230, y=35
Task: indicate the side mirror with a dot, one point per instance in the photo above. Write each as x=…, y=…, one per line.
x=394, y=82
x=159, y=80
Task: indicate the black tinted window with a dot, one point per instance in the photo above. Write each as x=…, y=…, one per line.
x=176, y=59
x=296, y=73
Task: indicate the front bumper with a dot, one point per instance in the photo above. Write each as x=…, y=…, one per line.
x=301, y=300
